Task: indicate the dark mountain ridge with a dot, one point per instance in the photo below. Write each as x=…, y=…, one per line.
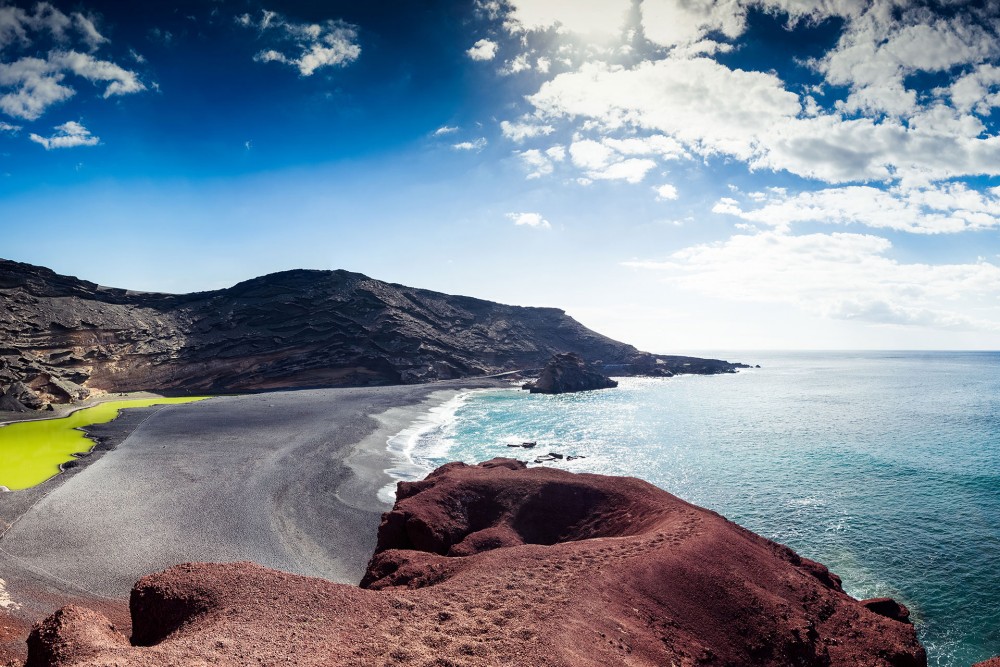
x=63, y=339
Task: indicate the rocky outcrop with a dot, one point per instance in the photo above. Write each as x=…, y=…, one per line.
x=497, y=564
x=65, y=338
x=566, y=373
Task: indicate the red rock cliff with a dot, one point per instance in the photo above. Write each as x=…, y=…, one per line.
x=500, y=565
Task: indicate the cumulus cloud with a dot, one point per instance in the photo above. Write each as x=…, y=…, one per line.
x=883, y=46
x=35, y=84
x=881, y=129
x=610, y=159
x=519, y=131
x=304, y=46
x=67, y=135
x=540, y=163
x=840, y=275
x=666, y=192
x=9, y=127
x=483, y=49
x=588, y=18
x=534, y=220
x=947, y=208
x=474, y=145
x=17, y=26
x=30, y=84
x=712, y=110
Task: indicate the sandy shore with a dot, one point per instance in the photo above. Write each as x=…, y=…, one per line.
x=286, y=479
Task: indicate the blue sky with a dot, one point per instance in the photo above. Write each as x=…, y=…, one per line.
x=682, y=175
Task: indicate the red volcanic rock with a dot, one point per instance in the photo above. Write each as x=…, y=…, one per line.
x=889, y=608
x=497, y=564
x=992, y=662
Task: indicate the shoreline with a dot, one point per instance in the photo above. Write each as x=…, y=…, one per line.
x=286, y=479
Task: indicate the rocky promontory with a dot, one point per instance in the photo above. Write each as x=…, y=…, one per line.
x=498, y=564
x=568, y=372
x=63, y=339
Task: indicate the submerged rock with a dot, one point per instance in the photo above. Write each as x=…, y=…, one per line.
x=498, y=564
x=568, y=372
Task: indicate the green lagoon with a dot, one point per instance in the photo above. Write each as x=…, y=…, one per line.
x=32, y=451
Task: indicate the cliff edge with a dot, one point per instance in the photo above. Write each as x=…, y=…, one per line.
x=498, y=564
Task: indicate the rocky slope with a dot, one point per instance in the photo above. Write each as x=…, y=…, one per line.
x=497, y=564
x=62, y=339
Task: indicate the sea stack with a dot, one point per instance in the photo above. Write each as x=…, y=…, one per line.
x=568, y=372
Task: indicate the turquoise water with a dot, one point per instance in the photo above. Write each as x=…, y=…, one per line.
x=883, y=466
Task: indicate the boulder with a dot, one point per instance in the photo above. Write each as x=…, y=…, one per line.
x=19, y=397
x=568, y=372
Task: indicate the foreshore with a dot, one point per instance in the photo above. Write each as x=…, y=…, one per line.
x=287, y=479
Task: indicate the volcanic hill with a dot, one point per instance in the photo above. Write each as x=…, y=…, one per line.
x=63, y=339
x=497, y=564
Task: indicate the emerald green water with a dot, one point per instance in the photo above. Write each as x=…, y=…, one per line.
x=31, y=452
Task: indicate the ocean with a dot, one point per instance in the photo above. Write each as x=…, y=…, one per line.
x=885, y=466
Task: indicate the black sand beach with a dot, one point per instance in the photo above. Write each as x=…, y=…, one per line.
x=286, y=479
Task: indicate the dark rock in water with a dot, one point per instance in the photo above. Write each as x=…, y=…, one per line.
x=568, y=372
x=524, y=445
x=889, y=608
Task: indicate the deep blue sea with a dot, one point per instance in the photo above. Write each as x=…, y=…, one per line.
x=884, y=466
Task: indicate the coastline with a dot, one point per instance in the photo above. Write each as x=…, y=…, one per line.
x=305, y=468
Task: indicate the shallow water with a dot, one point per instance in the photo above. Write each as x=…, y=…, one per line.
x=31, y=452
x=883, y=466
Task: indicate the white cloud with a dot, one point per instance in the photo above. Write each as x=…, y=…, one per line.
x=474, y=145
x=521, y=63
x=8, y=127
x=879, y=49
x=306, y=46
x=542, y=163
x=633, y=170
x=529, y=220
x=445, y=129
x=842, y=276
x=666, y=192
x=518, y=132
x=17, y=26
x=710, y=110
x=590, y=154
x=68, y=135
x=87, y=29
x=483, y=49
x=120, y=81
x=948, y=208
x=32, y=83
x=603, y=160
x=36, y=84
x=697, y=102
x=588, y=18
x=672, y=23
